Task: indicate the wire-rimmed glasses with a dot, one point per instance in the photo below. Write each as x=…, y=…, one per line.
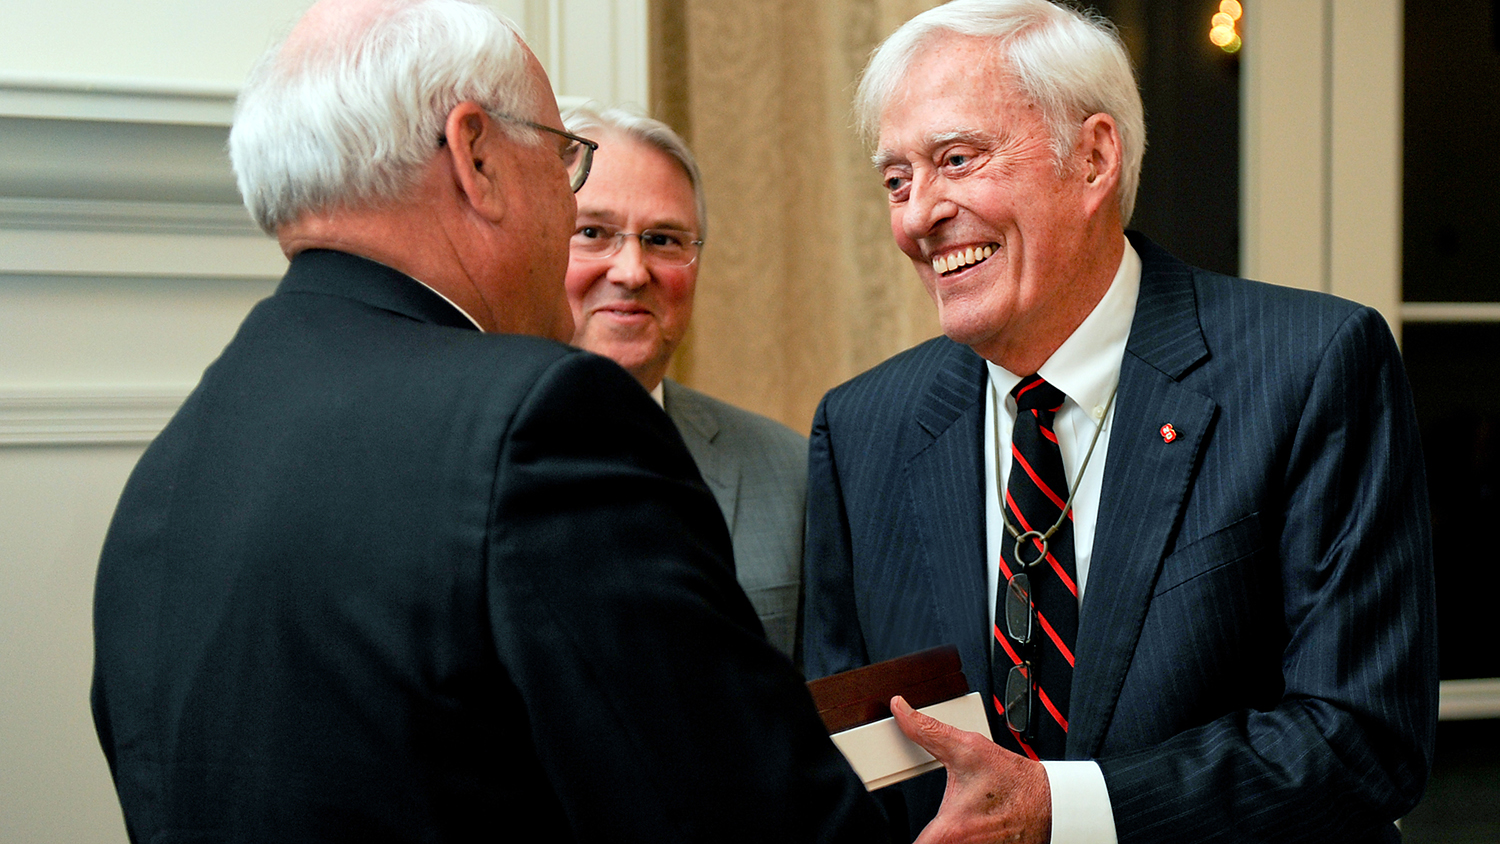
x=1020, y=624
x=669, y=247
x=577, y=156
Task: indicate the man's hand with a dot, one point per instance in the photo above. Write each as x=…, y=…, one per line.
x=993, y=795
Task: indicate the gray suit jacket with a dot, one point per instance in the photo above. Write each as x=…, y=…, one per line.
x=757, y=470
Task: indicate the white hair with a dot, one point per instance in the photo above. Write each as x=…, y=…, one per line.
x=1070, y=64
x=353, y=118
x=649, y=131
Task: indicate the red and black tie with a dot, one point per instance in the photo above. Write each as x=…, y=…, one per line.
x=1035, y=496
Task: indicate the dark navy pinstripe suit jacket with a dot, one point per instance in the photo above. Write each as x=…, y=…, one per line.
x=1256, y=656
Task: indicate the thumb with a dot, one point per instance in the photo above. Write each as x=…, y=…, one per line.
x=935, y=737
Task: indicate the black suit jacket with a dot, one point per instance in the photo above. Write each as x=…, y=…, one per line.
x=1255, y=656
x=386, y=578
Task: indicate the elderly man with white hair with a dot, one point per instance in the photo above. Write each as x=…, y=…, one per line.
x=1175, y=522
x=382, y=578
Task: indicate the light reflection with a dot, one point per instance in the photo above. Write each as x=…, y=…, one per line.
x=1224, y=33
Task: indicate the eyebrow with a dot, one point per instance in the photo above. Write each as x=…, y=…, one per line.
x=611, y=218
x=964, y=134
x=598, y=215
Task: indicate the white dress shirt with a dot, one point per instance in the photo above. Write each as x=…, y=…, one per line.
x=451, y=302
x=1086, y=368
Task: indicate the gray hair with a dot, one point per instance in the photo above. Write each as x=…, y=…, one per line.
x=1071, y=64
x=653, y=133
x=353, y=118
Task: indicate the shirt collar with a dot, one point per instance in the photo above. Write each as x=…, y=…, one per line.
x=1086, y=367
x=449, y=301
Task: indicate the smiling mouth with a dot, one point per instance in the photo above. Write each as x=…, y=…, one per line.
x=962, y=258
x=623, y=309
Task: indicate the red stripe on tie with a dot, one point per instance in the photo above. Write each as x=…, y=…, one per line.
x=1047, y=432
x=1026, y=747
x=1005, y=643
x=1051, y=560
x=1056, y=639
x=1063, y=576
x=1046, y=490
x=1026, y=389
x=1000, y=708
x=1047, y=702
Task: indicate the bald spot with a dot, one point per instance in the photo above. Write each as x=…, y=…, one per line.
x=336, y=22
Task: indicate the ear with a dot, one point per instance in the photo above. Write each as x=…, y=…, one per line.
x=475, y=143
x=1101, y=159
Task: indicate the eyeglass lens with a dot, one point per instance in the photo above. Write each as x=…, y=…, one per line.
x=578, y=158
x=1020, y=621
x=1020, y=612
x=666, y=246
x=1018, y=699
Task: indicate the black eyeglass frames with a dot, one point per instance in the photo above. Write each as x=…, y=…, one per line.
x=1020, y=624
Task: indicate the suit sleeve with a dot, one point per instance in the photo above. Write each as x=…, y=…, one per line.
x=831, y=636
x=657, y=710
x=1344, y=749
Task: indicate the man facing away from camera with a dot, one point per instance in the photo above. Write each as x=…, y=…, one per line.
x=387, y=575
x=632, y=274
x=1175, y=522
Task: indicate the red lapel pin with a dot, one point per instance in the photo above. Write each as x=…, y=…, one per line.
x=1168, y=433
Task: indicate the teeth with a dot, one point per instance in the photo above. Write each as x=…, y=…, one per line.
x=963, y=258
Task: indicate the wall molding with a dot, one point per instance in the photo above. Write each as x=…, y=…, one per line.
x=129, y=217
x=116, y=98
x=1467, y=700
x=86, y=416
x=1450, y=311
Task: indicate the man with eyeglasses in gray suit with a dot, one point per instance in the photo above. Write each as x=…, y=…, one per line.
x=636, y=251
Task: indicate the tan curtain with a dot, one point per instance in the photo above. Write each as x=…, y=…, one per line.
x=801, y=285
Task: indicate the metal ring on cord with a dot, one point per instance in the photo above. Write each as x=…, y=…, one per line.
x=1073, y=490
x=1035, y=536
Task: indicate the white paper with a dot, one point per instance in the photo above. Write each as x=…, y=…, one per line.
x=882, y=755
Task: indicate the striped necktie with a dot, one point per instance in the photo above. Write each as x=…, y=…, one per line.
x=1035, y=628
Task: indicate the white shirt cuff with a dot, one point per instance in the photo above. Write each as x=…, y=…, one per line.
x=1081, y=812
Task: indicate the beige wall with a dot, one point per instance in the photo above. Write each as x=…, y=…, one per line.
x=1321, y=140
x=801, y=285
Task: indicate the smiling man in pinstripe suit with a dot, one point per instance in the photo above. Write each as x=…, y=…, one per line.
x=1254, y=655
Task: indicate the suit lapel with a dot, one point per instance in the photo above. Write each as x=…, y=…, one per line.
x=945, y=473
x=699, y=428
x=1146, y=482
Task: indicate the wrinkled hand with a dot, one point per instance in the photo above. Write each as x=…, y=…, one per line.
x=993, y=795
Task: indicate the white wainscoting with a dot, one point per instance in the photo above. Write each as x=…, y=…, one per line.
x=85, y=417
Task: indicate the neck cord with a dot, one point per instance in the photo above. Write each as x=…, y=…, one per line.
x=1031, y=535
